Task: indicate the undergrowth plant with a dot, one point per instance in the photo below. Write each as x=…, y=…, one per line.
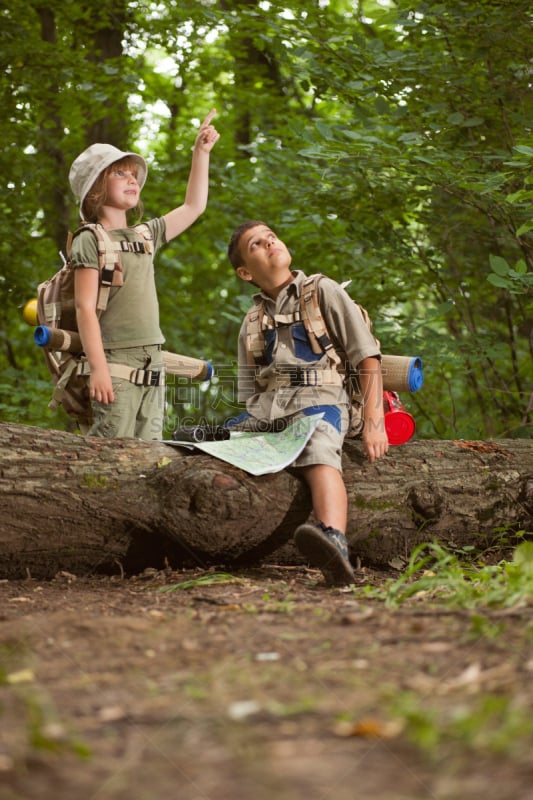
x=486, y=723
x=435, y=573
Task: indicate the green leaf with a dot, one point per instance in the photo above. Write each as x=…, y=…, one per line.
x=455, y=119
x=440, y=311
x=527, y=226
x=524, y=149
x=209, y=579
x=313, y=152
x=521, y=278
x=523, y=557
x=499, y=265
x=324, y=130
x=472, y=122
x=381, y=106
x=413, y=137
x=498, y=281
x=521, y=195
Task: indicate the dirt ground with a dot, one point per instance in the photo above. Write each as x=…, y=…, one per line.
x=266, y=686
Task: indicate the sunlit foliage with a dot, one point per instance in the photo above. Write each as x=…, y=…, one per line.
x=387, y=142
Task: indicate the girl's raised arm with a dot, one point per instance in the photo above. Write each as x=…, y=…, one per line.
x=195, y=202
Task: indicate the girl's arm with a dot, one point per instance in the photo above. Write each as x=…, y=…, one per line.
x=86, y=282
x=195, y=203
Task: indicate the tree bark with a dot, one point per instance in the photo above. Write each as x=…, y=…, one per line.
x=109, y=505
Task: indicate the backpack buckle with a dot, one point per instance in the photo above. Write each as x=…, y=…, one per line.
x=146, y=377
x=299, y=376
x=152, y=378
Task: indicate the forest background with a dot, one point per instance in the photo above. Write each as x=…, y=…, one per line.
x=386, y=142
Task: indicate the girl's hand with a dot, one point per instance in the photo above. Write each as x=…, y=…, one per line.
x=208, y=135
x=100, y=386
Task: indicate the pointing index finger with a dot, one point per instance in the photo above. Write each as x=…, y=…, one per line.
x=209, y=117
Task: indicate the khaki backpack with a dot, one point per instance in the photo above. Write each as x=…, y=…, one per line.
x=57, y=329
x=400, y=373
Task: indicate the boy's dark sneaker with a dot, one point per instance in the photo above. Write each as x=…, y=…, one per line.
x=326, y=549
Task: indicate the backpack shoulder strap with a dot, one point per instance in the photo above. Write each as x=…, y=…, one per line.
x=313, y=320
x=108, y=260
x=257, y=322
x=255, y=334
x=144, y=230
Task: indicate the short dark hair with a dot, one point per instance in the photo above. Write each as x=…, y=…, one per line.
x=234, y=253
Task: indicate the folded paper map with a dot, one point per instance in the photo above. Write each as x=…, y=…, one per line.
x=260, y=453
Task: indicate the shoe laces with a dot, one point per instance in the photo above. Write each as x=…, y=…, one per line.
x=337, y=537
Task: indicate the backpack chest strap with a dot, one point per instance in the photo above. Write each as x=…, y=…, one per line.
x=299, y=376
x=124, y=246
x=257, y=321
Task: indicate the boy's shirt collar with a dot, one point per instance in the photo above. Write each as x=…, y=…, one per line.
x=292, y=288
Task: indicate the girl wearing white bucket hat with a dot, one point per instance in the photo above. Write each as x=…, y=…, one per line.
x=107, y=183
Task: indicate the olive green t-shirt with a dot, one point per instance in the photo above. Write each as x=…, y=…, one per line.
x=131, y=318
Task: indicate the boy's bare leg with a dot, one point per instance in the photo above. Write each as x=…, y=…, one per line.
x=324, y=544
x=328, y=492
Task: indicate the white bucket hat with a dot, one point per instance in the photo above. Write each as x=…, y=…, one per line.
x=88, y=165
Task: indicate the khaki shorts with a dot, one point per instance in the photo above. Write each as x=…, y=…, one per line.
x=324, y=446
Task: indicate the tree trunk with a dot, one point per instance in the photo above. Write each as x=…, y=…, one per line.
x=106, y=505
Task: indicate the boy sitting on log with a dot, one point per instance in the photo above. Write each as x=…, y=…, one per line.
x=291, y=378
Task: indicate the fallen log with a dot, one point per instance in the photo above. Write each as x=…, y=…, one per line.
x=87, y=505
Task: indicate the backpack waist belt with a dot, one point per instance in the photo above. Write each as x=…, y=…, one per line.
x=304, y=377
x=139, y=377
